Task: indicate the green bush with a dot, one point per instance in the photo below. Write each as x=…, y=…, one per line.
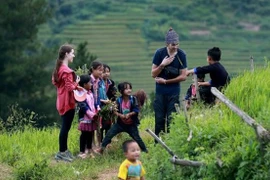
x=19, y=118
x=227, y=146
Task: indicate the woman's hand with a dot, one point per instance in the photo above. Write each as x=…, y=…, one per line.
x=79, y=88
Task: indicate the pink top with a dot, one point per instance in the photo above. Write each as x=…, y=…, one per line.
x=90, y=113
x=193, y=91
x=126, y=110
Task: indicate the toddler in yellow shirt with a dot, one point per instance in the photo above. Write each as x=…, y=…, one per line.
x=131, y=168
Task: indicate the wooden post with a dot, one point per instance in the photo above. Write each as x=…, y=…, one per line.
x=261, y=132
x=251, y=64
x=174, y=158
x=186, y=162
x=198, y=97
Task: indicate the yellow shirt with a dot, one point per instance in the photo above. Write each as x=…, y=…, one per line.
x=131, y=171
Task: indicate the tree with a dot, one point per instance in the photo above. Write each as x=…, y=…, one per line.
x=83, y=56
x=20, y=62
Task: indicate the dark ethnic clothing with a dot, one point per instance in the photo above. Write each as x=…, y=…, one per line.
x=218, y=74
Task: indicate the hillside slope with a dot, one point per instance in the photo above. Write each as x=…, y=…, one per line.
x=125, y=35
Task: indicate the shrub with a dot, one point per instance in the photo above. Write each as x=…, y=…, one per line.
x=19, y=118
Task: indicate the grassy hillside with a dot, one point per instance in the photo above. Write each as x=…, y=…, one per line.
x=125, y=35
x=218, y=136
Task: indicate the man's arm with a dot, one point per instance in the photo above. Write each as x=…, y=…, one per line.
x=181, y=77
x=157, y=69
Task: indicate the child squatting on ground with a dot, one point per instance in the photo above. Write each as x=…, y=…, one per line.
x=87, y=118
x=131, y=167
x=127, y=117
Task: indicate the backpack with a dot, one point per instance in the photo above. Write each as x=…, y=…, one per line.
x=83, y=107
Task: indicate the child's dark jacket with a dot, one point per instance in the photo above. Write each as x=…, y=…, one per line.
x=134, y=107
x=218, y=74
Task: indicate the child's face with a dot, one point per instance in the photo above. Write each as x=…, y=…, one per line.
x=87, y=86
x=133, y=153
x=209, y=60
x=106, y=73
x=97, y=73
x=127, y=91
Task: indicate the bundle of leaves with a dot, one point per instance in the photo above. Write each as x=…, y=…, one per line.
x=107, y=111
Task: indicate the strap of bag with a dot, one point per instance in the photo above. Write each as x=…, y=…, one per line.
x=179, y=60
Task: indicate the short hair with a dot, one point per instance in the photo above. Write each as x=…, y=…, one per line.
x=84, y=79
x=122, y=86
x=214, y=53
x=125, y=145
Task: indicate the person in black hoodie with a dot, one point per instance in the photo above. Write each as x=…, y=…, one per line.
x=218, y=74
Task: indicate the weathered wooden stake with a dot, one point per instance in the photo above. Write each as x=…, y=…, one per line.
x=198, y=97
x=174, y=158
x=251, y=64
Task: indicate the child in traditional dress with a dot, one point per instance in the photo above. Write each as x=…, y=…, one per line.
x=87, y=118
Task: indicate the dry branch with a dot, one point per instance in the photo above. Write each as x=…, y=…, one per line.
x=186, y=162
x=174, y=158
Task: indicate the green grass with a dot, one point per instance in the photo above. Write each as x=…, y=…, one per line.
x=23, y=151
x=217, y=133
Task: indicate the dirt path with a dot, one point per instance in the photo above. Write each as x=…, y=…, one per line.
x=108, y=174
x=5, y=172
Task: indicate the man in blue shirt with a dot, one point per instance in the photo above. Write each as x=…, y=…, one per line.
x=169, y=69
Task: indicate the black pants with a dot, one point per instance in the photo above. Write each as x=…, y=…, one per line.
x=86, y=140
x=132, y=130
x=67, y=119
x=164, y=107
x=104, y=130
